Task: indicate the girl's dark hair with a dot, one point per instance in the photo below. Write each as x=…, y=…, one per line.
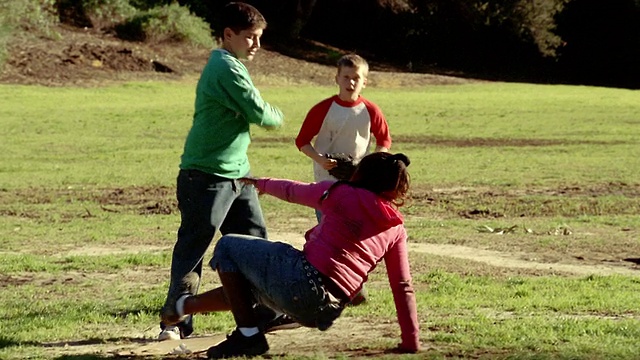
x=384, y=174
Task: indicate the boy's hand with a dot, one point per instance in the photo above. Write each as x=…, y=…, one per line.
x=327, y=163
x=344, y=166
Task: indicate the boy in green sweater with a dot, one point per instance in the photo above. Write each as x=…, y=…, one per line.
x=210, y=197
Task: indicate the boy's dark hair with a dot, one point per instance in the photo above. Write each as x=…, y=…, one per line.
x=238, y=16
x=384, y=174
x=353, y=61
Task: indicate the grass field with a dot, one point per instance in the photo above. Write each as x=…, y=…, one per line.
x=537, y=174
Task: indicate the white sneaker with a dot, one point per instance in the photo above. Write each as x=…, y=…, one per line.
x=169, y=333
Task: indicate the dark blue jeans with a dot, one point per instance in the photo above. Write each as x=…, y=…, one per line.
x=209, y=203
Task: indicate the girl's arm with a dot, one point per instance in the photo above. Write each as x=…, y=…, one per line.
x=397, y=263
x=307, y=194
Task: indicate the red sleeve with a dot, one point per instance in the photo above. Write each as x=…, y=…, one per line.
x=404, y=297
x=379, y=126
x=313, y=122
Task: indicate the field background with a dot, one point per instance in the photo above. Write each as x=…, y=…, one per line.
x=523, y=219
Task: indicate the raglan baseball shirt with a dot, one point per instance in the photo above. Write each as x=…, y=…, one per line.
x=343, y=127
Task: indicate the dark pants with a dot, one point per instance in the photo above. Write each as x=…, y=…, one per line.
x=209, y=203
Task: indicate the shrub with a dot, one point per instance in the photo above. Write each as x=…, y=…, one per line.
x=98, y=14
x=168, y=23
x=35, y=16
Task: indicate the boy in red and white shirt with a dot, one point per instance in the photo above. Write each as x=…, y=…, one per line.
x=345, y=122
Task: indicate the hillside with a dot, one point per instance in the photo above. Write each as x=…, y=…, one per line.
x=86, y=58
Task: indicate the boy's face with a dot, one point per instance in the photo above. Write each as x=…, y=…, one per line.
x=351, y=81
x=244, y=44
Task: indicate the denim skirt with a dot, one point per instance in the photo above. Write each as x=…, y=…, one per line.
x=281, y=278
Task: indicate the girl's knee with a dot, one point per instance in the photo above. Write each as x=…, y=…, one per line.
x=224, y=254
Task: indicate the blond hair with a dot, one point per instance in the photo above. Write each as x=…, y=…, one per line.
x=353, y=61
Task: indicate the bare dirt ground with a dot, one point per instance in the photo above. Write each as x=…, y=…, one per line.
x=81, y=58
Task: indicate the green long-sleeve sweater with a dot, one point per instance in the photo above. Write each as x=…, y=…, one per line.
x=226, y=104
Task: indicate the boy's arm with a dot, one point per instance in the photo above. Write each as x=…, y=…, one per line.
x=379, y=127
x=310, y=128
x=238, y=85
x=312, y=123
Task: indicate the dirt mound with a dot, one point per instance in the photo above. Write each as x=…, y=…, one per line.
x=82, y=57
x=109, y=57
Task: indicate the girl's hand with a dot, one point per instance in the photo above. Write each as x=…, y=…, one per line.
x=248, y=181
x=407, y=350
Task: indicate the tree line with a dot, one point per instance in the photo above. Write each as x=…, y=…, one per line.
x=592, y=42
x=576, y=41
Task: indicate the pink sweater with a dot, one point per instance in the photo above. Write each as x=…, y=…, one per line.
x=357, y=231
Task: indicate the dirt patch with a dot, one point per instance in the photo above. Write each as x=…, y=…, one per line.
x=518, y=203
x=107, y=57
x=147, y=200
x=483, y=206
x=566, y=201
x=493, y=142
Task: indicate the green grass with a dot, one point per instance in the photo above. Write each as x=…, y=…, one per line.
x=546, y=135
x=95, y=168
